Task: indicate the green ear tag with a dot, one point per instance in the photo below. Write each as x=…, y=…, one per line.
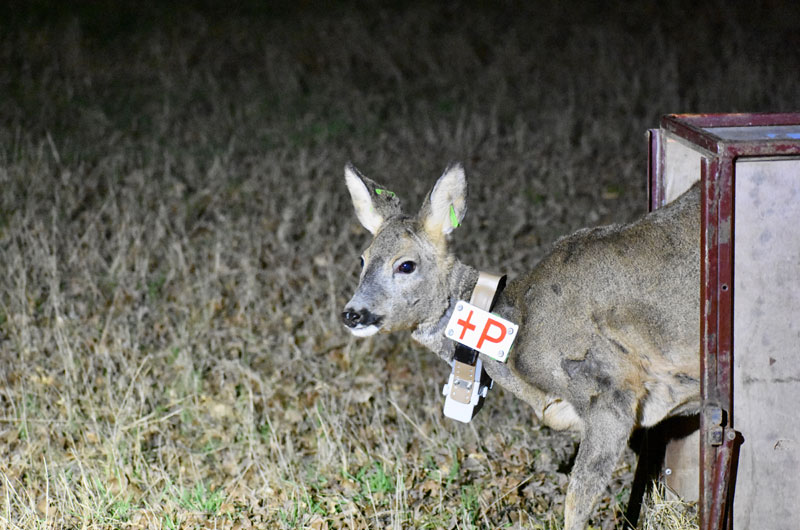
x=379, y=191
x=453, y=217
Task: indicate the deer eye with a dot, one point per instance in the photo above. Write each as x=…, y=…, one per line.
x=362, y=261
x=407, y=267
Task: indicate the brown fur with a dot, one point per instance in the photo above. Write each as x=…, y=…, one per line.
x=609, y=319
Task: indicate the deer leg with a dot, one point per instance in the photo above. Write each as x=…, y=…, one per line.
x=607, y=426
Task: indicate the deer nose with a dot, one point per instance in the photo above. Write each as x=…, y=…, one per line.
x=351, y=318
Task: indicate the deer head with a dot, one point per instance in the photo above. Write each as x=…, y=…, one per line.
x=406, y=269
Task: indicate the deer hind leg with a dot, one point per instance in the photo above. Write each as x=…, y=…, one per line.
x=607, y=426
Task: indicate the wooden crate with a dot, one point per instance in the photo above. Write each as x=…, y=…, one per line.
x=744, y=462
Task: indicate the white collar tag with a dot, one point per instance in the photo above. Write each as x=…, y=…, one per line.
x=481, y=330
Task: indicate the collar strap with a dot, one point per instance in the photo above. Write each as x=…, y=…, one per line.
x=487, y=289
x=484, y=295
x=469, y=383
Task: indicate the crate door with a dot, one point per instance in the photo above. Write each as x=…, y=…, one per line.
x=766, y=342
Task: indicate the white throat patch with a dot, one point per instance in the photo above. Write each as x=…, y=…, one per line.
x=364, y=331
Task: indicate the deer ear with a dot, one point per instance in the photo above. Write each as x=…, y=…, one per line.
x=373, y=203
x=445, y=207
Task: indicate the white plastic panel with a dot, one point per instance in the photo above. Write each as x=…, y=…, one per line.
x=766, y=337
x=681, y=166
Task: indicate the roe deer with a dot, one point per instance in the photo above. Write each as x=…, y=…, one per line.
x=609, y=320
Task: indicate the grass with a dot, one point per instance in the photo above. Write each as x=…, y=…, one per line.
x=665, y=513
x=176, y=243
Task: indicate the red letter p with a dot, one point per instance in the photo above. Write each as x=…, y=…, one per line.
x=485, y=334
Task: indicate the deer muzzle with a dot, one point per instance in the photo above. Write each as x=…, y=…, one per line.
x=361, y=322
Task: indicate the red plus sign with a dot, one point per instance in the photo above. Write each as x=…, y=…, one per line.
x=464, y=325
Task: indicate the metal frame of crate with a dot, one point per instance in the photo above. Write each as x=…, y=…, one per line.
x=719, y=441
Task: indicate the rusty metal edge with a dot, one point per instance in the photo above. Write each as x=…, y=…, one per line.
x=743, y=119
x=720, y=515
x=716, y=334
x=678, y=125
x=655, y=165
x=691, y=128
x=708, y=271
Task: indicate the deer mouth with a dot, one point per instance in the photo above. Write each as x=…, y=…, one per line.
x=361, y=323
x=364, y=331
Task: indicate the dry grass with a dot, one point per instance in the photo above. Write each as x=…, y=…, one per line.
x=176, y=245
x=665, y=513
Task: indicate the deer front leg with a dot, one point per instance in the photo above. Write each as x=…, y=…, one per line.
x=607, y=426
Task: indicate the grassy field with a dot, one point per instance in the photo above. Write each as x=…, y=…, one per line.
x=176, y=242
